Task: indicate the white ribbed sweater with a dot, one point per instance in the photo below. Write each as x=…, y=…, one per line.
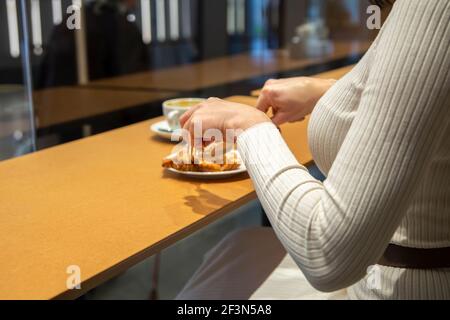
x=381, y=135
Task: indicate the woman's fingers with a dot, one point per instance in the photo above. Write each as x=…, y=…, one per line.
x=188, y=114
x=185, y=117
x=280, y=118
x=189, y=126
x=186, y=123
x=263, y=104
x=194, y=125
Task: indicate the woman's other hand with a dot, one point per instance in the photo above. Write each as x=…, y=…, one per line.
x=292, y=99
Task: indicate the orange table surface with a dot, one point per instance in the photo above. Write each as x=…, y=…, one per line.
x=104, y=203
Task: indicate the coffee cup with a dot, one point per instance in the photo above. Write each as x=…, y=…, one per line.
x=175, y=108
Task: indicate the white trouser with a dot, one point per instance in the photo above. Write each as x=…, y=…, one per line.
x=251, y=264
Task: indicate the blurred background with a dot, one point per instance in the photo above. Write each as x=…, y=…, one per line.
x=73, y=68
x=63, y=70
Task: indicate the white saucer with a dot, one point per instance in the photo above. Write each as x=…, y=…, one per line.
x=211, y=175
x=162, y=129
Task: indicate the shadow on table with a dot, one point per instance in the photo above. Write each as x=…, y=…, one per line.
x=205, y=201
x=155, y=138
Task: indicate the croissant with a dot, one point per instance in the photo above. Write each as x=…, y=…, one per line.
x=213, y=158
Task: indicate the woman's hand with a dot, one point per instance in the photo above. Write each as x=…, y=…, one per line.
x=219, y=114
x=292, y=99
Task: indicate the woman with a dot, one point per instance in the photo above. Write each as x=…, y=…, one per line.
x=381, y=137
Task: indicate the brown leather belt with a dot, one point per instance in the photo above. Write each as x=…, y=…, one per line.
x=415, y=258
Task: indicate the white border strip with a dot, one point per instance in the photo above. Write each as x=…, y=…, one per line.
x=160, y=20
x=174, y=18
x=146, y=19
x=57, y=12
x=13, y=28
x=36, y=28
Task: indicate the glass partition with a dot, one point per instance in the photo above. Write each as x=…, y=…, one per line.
x=17, y=132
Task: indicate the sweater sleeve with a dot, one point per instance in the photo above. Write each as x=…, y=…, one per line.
x=335, y=230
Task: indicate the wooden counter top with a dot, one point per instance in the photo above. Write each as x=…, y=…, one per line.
x=63, y=104
x=332, y=74
x=227, y=69
x=59, y=105
x=103, y=203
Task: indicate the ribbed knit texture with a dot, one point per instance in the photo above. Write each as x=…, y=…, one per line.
x=381, y=135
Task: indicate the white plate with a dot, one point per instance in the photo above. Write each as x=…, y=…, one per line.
x=162, y=129
x=210, y=175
